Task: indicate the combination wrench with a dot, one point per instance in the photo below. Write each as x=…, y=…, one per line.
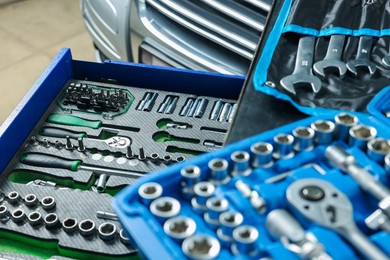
x=362, y=59
x=322, y=203
x=302, y=74
x=332, y=60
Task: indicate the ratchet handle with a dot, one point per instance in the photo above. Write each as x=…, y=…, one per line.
x=61, y=133
x=50, y=161
x=73, y=121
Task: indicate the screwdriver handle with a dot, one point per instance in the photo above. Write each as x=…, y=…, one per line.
x=50, y=161
x=73, y=121
x=61, y=133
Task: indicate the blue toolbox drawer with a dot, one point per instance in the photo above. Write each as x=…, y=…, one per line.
x=86, y=130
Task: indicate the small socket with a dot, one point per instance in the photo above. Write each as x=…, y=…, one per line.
x=229, y=221
x=107, y=231
x=124, y=237
x=87, y=228
x=180, y=227
x=201, y=247
x=215, y=207
x=283, y=146
x=359, y=135
x=31, y=200
x=4, y=214
x=69, y=225
x=164, y=208
x=377, y=149
x=51, y=221
x=240, y=161
x=262, y=154
x=48, y=203
x=203, y=191
x=35, y=219
x=344, y=122
x=149, y=191
x=14, y=197
x=324, y=131
x=304, y=138
x=245, y=238
x=219, y=171
x=18, y=216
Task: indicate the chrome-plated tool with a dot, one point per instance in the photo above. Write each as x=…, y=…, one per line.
x=344, y=122
x=302, y=74
x=180, y=228
x=87, y=227
x=347, y=163
x=218, y=168
x=359, y=135
x=224, y=115
x=106, y=215
x=324, y=131
x=241, y=160
x=303, y=138
x=51, y=221
x=48, y=203
x=216, y=110
x=35, y=219
x=284, y=146
x=257, y=202
x=69, y=225
x=18, y=216
x=229, y=220
x=201, y=108
x=203, y=191
x=262, y=154
x=190, y=176
x=245, y=238
x=31, y=200
x=215, y=207
x=201, y=247
x=149, y=191
x=321, y=202
x=377, y=149
x=332, y=60
x=283, y=226
x=362, y=59
x=107, y=231
x=164, y=208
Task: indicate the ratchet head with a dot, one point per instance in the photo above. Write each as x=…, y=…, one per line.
x=354, y=65
x=386, y=60
x=290, y=82
x=323, y=67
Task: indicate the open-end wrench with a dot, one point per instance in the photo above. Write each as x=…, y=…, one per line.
x=332, y=60
x=362, y=57
x=302, y=74
x=322, y=203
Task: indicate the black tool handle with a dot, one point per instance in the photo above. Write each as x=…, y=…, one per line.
x=61, y=133
x=50, y=161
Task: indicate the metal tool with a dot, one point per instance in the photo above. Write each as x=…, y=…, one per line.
x=146, y=98
x=62, y=119
x=240, y=161
x=347, y=162
x=106, y=215
x=362, y=59
x=387, y=163
x=216, y=110
x=324, y=131
x=187, y=106
x=232, y=113
x=212, y=144
x=344, y=122
x=282, y=225
x=51, y=161
x=101, y=183
x=224, y=115
x=4, y=213
x=87, y=227
x=149, y=104
x=359, y=135
x=377, y=149
x=193, y=108
x=35, y=218
x=48, y=203
x=31, y=200
x=218, y=168
x=258, y=203
x=190, y=176
x=303, y=138
x=107, y=231
x=284, y=144
x=18, y=216
x=69, y=225
x=14, y=197
x=203, y=191
x=149, y=191
x=229, y=221
x=262, y=154
x=245, y=238
x=51, y=221
x=284, y=175
x=164, y=208
x=141, y=155
x=215, y=207
x=322, y=203
x=180, y=228
x=201, y=247
x=302, y=74
x=201, y=108
x=332, y=60
x=387, y=113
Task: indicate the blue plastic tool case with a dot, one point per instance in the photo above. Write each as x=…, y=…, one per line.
x=148, y=231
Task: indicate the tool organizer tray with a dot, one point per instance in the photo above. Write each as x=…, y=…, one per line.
x=83, y=132
x=283, y=194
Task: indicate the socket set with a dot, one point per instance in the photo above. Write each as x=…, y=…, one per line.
x=91, y=141
x=318, y=188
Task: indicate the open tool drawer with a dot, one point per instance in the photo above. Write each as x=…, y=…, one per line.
x=60, y=129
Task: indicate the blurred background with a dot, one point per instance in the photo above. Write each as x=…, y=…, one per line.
x=31, y=33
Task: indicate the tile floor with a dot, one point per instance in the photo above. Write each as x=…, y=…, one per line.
x=31, y=33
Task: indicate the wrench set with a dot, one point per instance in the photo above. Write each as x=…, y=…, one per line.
x=94, y=139
x=318, y=188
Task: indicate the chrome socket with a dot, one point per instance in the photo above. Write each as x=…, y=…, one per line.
x=35, y=219
x=124, y=237
x=387, y=163
x=51, y=221
x=229, y=221
x=240, y=161
x=69, y=225
x=155, y=158
x=203, y=191
x=359, y=135
x=13, y=197
x=179, y=228
x=87, y=228
x=18, y=216
x=262, y=154
x=219, y=171
x=4, y=213
x=101, y=184
x=107, y=231
x=164, y=208
x=304, y=138
x=344, y=122
x=190, y=176
x=167, y=159
x=48, y=203
x=215, y=207
x=201, y=247
x=324, y=131
x=245, y=238
x=377, y=149
x=284, y=144
x=149, y=191
x=31, y=200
